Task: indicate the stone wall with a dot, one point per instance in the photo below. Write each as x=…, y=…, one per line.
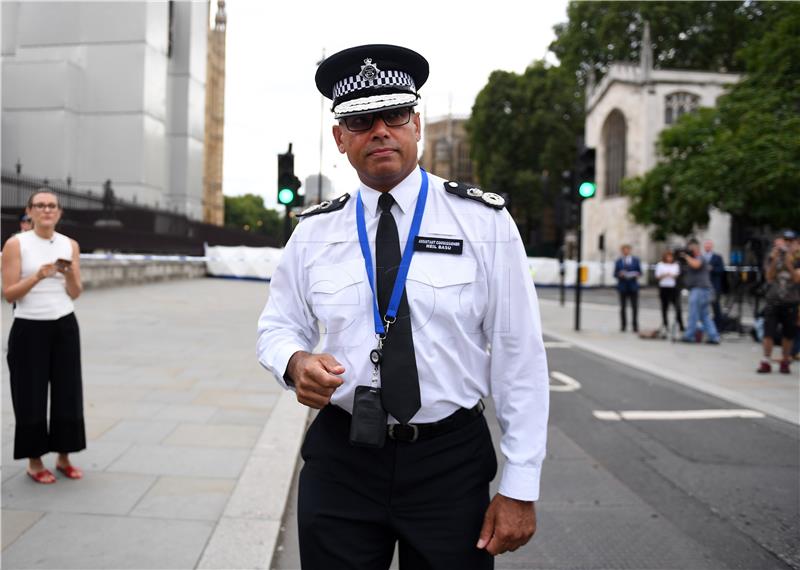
x=96, y=273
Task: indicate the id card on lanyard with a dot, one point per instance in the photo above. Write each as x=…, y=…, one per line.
x=368, y=427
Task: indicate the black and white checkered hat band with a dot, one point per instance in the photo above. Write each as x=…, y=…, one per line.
x=382, y=79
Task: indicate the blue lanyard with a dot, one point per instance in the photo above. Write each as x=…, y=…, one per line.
x=405, y=262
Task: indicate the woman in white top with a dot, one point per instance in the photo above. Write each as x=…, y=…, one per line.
x=667, y=272
x=41, y=276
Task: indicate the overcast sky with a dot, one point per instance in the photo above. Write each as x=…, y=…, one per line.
x=273, y=48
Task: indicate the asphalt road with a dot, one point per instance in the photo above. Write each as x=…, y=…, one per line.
x=676, y=493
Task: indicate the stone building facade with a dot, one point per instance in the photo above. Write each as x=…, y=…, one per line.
x=625, y=112
x=108, y=90
x=213, y=201
x=446, y=149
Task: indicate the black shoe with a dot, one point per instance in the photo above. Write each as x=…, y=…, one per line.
x=687, y=340
x=709, y=341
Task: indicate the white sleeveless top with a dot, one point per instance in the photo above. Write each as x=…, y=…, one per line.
x=48, y=300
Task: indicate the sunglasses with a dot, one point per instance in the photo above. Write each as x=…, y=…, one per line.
x=391, y=117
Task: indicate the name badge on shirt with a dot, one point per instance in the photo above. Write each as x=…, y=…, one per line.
x=439, y=245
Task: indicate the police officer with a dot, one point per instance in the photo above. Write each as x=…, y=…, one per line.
x=394, y=311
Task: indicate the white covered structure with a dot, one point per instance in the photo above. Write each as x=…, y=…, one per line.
x=108, y=90
x=625, y=113
x=244, y=262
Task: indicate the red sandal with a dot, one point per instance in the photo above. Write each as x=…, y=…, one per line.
x=70, y=472
x=43, y=477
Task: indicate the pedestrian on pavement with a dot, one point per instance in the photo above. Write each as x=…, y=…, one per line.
x=667, y=273
x=782, y=272
x=25, y=223
x=627, y=270
x=698, y=281
x=716, y=268
x=41, y=277
x=400, y=451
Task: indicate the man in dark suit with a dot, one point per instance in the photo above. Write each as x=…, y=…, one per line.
x=627, y=270
x=717, y=268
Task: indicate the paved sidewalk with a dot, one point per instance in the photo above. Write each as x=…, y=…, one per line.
x=726, y=371
x=191, y=445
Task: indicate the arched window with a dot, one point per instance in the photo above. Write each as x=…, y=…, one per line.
x=677, y=104
x=614, y=134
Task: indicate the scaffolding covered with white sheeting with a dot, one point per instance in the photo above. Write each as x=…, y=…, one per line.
x=260, y=263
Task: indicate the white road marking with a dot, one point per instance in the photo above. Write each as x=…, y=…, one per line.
x=633, y=415
x=557, y=344
x=568, y=383
x=607, y=415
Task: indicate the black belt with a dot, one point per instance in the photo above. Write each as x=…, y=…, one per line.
x=412, y=432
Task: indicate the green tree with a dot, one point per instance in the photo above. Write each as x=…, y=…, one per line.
x=248, y=213
x=522, y=136
x=524, y=125
x=706, y=36
x=742, y=157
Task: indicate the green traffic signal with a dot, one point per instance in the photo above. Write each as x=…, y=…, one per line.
x=587, y=189
x=285, y=196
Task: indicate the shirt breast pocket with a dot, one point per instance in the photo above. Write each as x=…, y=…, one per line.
x=443, y=290
x=337, y=297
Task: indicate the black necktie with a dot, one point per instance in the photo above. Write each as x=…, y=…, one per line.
x=399, y=380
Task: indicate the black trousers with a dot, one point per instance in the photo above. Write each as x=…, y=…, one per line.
x=670, y=296
x=633, y=297
x=429, y=496
x=42, y=355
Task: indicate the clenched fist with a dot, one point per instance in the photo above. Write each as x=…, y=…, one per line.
x=315, y=377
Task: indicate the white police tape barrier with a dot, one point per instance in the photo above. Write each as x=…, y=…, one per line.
x=142, y=257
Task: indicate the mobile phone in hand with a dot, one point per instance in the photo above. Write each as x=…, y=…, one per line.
x=62, y=264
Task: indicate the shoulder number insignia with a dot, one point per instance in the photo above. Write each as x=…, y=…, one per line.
x=326, y=206
x=490, y=199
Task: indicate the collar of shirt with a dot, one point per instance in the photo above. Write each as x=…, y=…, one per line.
x=404, y=194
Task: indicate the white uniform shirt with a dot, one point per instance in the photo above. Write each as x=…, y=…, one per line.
x=475, y=316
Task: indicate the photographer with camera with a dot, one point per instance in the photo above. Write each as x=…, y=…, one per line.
x=698, y=281
x=782, y=272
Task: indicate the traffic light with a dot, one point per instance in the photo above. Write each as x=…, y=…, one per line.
x=288, y=183
x=585, y=173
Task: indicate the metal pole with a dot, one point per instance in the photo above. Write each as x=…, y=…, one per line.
x=287, y=226
x=321, y=123
x=603, y=261
x=561, y=271
x=579, y=237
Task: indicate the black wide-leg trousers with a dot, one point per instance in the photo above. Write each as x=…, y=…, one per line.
x=46, y=355
x=428, y=496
